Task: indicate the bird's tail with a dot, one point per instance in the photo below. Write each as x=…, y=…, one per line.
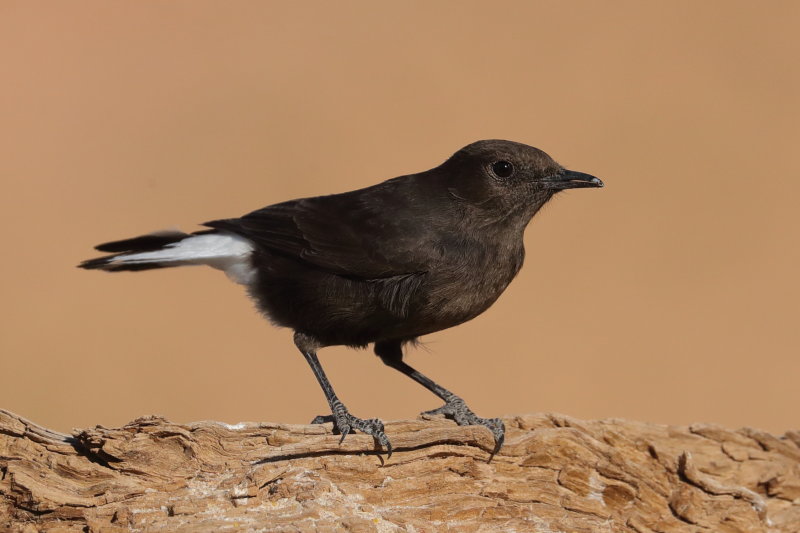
x=219, y=249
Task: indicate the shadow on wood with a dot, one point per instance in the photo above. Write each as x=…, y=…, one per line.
x=554, y=474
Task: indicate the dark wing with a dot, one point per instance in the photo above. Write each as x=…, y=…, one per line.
x=372, y=233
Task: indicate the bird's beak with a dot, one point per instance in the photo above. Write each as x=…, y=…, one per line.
x=569, y=179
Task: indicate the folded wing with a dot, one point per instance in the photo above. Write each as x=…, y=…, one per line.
x=347, y=234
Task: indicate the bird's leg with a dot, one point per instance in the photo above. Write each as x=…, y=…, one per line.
x=391, y=353
x=343, y=421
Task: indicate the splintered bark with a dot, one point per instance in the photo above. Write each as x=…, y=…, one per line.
x=554, y=474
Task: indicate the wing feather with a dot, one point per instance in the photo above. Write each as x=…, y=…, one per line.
x=365, y=234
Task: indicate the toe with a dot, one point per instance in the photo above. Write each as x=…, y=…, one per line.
x=438, y=411
x=498, y=429
x=374, y=427
x=383, y=440
x=388, y=445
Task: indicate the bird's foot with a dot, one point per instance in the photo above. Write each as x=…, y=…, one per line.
x=456, y=409
x=344, y=423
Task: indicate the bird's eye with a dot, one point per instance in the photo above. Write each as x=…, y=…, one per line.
x=502, y=169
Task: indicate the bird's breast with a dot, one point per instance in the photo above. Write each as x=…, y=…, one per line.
x=465, y=285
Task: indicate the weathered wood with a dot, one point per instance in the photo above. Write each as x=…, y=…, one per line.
x=554, y=474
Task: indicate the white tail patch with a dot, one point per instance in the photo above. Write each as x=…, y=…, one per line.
x=225, y=251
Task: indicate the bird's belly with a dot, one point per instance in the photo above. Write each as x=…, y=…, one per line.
x=337, y=310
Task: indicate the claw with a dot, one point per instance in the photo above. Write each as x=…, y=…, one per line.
x=344, y=432
x=455, y=409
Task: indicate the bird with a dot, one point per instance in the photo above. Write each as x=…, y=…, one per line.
x=381, y=266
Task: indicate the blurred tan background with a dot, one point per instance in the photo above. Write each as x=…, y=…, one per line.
x=672, y=295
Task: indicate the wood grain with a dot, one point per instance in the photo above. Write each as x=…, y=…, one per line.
x=555, y=474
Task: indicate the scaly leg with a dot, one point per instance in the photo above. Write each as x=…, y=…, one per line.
x=391, y=353
x=342, y=420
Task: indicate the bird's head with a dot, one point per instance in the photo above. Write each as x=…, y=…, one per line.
x=509, y=175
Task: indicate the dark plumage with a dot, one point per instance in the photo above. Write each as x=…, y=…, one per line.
x=384, y=265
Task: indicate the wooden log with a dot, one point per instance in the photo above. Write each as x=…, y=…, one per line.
x=554, y=474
